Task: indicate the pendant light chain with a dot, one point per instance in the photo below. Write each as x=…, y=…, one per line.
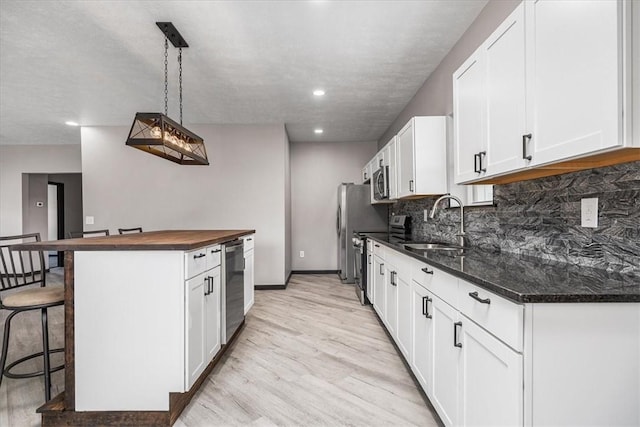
x=166, y=76
x=180, y=74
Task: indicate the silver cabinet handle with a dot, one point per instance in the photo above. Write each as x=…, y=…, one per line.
x=411, y=185
x=455, y=334
x=524, y=146
x=381, y=269
x=199, y=256
x=426, y=270
x=475, y=296
x=483, y=155
x=393, y=278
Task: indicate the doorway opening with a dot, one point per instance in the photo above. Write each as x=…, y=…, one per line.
x=55, y=214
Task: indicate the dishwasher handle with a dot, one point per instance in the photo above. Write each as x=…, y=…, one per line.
x=233, y=245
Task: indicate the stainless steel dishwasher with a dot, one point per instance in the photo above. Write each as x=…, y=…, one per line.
x=233, y=289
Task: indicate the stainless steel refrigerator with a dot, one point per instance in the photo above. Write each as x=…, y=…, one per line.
x=355, y=213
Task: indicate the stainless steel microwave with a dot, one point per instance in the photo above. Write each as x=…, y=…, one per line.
x=380, y=182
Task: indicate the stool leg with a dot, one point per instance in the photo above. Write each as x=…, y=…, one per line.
x=5, y=344
x=45, y=356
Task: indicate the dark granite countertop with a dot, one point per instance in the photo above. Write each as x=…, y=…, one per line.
x=526, y=279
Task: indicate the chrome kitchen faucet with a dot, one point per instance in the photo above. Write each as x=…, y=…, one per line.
x=432, y=214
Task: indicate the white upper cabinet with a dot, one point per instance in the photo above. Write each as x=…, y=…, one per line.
x=575, y=84
x=505, y=69
x=549, y=85
x=421, y=157
x=392, y=162
x=468, y=118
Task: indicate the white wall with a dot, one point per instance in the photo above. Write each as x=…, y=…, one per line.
x=317, y=168
x=18, y=159
x=243, y=188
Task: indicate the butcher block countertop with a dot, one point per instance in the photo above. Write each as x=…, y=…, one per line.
x=147, y=241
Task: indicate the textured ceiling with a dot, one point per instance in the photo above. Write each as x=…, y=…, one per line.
x=249, y=62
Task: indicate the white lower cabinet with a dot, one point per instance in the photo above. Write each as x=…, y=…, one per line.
x=446, y=360
x=379, y=287
x=490, y=383
x=484, y=360
x=391, y=297
x=404, y=328
x=195, y=325
x=212, y=305
x=422, y=336
x=249, y=273
x=202, y=311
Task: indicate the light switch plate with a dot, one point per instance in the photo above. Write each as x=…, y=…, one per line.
x=89, y=220
x=301, y=254
x=589, y=212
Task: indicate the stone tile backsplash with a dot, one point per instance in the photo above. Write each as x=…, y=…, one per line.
x=541, y=218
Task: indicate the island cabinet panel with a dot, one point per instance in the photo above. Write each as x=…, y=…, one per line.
x=129, y=329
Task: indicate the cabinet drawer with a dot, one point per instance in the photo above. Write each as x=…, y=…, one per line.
x=501, y=317
x=214, y=254
x=378, y=249
x=442, y=284
x=195, y=262
x=249, y=242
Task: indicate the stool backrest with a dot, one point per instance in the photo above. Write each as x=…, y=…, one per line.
x=21, y=268
x=129, y=230
x=95, y=233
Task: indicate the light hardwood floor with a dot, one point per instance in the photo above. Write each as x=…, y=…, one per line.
x=309, y=355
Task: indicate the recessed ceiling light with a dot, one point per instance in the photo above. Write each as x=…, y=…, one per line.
x=318, y=131
x=318, y=92
x=70, y=123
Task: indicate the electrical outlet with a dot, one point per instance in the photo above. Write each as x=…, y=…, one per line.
x=301, y=254
x=589, y=212
x=89, y=220
x=426, y=215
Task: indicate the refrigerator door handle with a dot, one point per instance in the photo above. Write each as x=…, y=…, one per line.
x=338, y=221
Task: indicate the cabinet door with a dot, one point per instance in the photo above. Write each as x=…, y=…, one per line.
x=406, y=169
x=378, y=286
x=504, y=56
x=212, y=314
x=574, y=84
x=370, y=289
x=393, y=169
x=422, y=328
x=249, y=281
x=195, y=325
x=490, y=384
x=468, y=118
x=446, y=356
x=404, y=314
x=391, y=306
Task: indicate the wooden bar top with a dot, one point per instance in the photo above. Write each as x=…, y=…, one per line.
x=148, y=241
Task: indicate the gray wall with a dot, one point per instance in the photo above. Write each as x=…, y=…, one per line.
x=317, y=168
x=18, y=160
x=435, y=97
x=243, y=188
x=35, y=219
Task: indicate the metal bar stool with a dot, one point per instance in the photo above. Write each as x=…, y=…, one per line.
x=129, y=230
x=21, y=268
x=95, y=233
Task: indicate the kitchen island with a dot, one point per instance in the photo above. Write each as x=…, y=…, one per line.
x=142, y=325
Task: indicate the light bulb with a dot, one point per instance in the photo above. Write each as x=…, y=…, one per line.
x=156, y=132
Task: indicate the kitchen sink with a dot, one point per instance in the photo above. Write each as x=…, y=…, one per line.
x=432, y=246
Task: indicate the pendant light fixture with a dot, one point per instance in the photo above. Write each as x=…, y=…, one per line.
x=156, y=133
